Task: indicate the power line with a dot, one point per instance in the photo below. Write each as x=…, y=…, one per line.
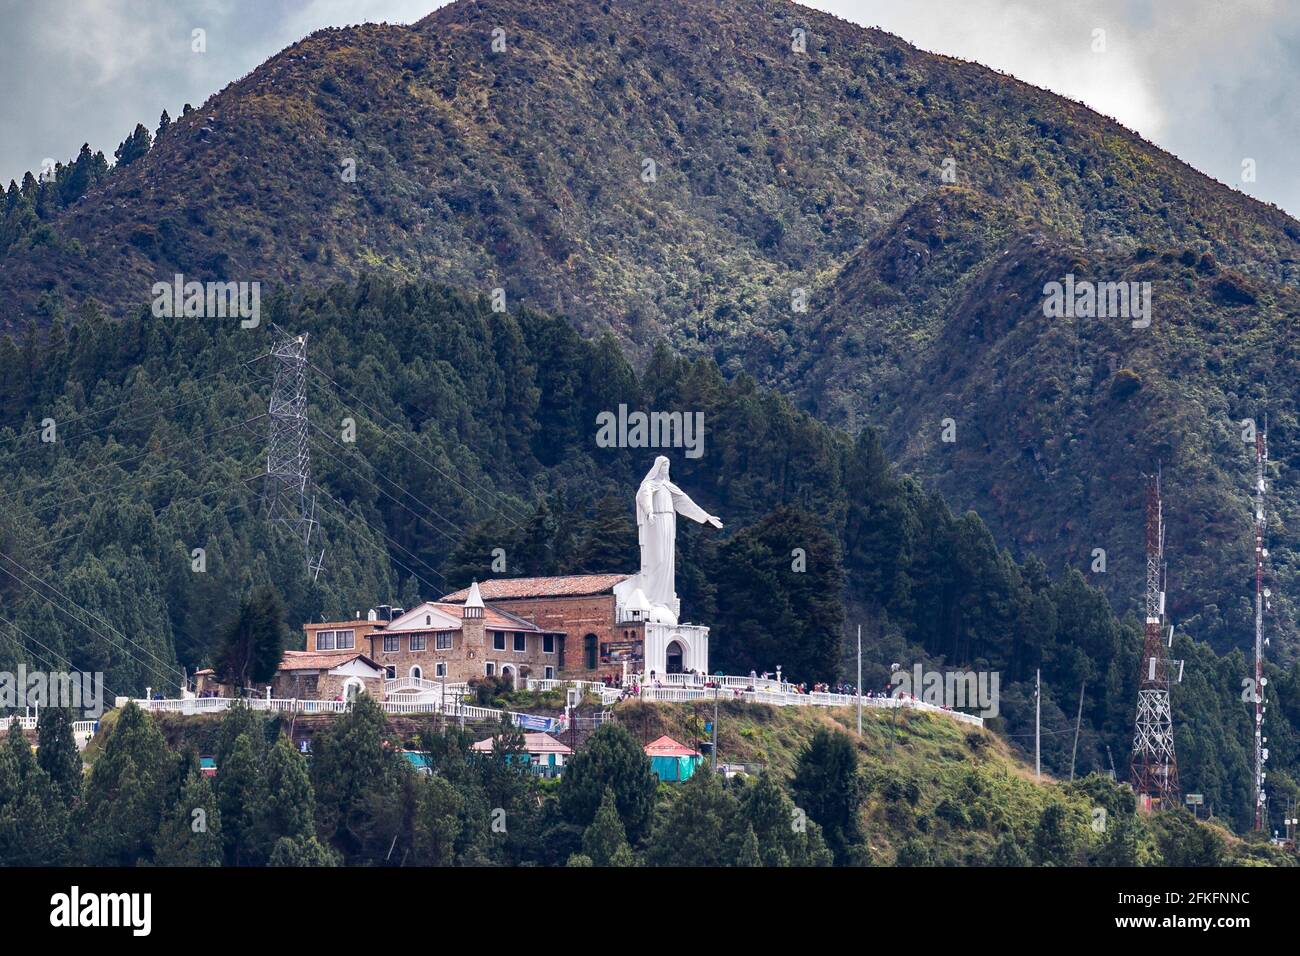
x=167, y=667
x=101, y=411
x=513, y=519
x=174, y=501
x=412, y=496
x=404, y=567
x=54, y=655
x=147, y=451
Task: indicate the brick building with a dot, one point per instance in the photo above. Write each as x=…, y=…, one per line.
x=327, y=675
x=599, y=634
x=465, y=640
x=576, y=626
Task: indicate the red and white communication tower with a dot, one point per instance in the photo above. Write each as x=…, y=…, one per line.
x=1262, y=596
x=1154, y=766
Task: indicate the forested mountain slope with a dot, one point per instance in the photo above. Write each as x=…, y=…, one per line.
x=775, y=169
x=475, y=430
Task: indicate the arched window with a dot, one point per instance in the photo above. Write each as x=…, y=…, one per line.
x=417, y=672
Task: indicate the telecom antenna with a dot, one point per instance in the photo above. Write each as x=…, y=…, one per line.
x=288, y=462
x=1154, y=766
x=1262, y=595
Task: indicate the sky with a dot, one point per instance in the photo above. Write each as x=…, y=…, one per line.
x=1211, y=81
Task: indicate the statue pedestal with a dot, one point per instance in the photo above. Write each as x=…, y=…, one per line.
x=666, y=644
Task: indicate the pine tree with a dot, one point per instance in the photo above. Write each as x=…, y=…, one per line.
x=605, y=841
x=785, y=836
x=289, y=806
x=57, y=753
x=242, y=797
x=164, y=123
x=134, y=146
x=352, y=767
x=1055, y=838
x=254, y=642
x=826, y=787
x=191, y=833
x=749, y=850
x=700, y=828
x=612, y=759
x=129, y=787
x=302, y=851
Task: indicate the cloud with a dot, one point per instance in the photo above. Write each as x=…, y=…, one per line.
x=1211, y=81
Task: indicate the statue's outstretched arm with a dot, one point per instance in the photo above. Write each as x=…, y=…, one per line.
x=684, y=506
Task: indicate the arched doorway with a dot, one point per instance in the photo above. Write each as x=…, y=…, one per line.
x=674, y=655
x=417, y=672
x=508, y=674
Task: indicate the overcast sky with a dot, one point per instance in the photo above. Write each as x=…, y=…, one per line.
x=1215, y=82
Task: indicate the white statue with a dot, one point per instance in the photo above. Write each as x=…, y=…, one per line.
x=658, y=503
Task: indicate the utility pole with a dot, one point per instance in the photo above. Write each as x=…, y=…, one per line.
x=1038, y=723
x=717, y=767
x=1078, y=718
x=859, y=680
x=1261, y=595
x=1154, y=765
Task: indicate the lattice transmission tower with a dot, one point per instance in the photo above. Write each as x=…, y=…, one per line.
x=1154, y=765
x=290, y=504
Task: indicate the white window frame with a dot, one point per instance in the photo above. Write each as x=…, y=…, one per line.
x=490, y=668
x=498, y=636
x=397, y=643
x=440, y=669
x=442, y=636
x=548, y=639
x=521, y=637
x=412, y=672
x=424, y=642
x=390, y=672
x=351, y=638
x=548, y=672
x=324, y=640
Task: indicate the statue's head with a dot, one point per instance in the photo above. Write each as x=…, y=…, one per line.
x=661, y=467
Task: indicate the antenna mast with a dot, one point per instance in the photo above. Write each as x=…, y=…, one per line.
x=1261, y=603
x=1154, y=766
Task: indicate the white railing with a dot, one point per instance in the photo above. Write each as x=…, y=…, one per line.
x=26, y=723
x=84, y=728
x=685, y=694
x=420, y=685
x=608, y=695
x=454, y=708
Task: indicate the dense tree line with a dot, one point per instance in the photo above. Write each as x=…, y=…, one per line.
x=355, y=799
x=451, y=442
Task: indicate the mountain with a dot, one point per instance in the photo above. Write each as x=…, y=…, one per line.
x=774, y=170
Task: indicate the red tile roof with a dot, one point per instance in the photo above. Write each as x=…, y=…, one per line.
x=567, y=585
x=321, y=660
x=494, y=619
x=665, y=746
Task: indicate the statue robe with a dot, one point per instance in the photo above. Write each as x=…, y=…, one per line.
x=664, y=500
